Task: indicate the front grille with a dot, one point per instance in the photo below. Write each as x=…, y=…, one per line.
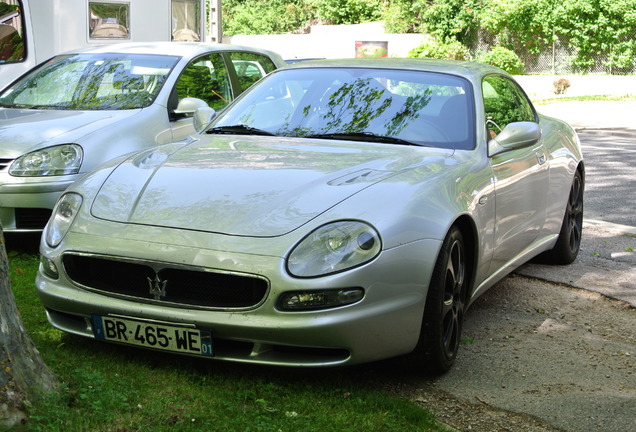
x=31, y=218
x=183, y=285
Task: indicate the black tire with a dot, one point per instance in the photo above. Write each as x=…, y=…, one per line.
x=568, y=244
x=445, y=306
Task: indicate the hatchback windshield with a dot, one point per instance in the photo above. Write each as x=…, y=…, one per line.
x=379, y=105
x=91, y=82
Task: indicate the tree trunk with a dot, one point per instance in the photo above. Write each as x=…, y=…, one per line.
x=23, y=373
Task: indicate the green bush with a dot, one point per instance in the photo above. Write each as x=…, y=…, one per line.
x=503, y=58
x=449, y=51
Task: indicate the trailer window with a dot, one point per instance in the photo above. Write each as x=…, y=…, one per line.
x=186, y=16
x=109, y=20
x=12, y=47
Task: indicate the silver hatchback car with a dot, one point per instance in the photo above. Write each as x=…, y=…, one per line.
x=82, y=108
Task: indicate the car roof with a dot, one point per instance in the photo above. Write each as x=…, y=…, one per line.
x=181, y=49
x=470, y=70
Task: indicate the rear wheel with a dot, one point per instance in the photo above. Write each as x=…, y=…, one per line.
x=568, y=244
x=445, y=306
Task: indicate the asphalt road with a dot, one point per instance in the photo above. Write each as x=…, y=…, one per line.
x=610, y=175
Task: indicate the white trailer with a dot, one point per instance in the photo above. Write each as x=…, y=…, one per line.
x=32, y=31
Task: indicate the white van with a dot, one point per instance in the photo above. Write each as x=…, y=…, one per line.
x=32, y=31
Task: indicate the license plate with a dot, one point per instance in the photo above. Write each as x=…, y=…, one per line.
x=148, y=334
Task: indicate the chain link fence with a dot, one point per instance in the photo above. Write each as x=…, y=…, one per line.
x=558, y=59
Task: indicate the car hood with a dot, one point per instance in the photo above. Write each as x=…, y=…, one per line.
x=24, y=130
x=248, y=186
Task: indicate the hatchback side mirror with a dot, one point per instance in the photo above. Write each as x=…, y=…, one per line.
x=188, y=105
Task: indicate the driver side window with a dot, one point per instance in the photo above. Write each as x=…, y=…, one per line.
x=206, y=78
x=504, y=103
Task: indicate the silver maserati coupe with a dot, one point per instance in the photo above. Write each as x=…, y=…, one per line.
x=338, y=212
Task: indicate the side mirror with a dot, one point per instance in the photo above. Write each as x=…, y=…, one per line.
x=188, y=105
x=202, y=117
x=514, y=136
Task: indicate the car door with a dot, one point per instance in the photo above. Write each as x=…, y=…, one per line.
x=521, y=176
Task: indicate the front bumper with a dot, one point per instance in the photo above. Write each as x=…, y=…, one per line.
x=385, y=323
x=26, y=206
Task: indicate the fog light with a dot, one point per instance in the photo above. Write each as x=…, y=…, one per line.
x=314, y=300
x=48, y=267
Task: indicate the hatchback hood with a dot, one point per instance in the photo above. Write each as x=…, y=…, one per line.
x=247, y=186
x=25, y=130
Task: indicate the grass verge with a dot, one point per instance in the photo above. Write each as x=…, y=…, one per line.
x=582, y=99
x=107, y=387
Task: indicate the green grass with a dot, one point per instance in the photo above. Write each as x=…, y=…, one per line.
x=583, y=98
x=107, y=387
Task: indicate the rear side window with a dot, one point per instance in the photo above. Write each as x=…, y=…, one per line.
x=206, y=78
x=12, y=48
x=251, y=67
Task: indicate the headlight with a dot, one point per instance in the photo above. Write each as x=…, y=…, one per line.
x=63, y=216
x=334, y=248
x=50, y=161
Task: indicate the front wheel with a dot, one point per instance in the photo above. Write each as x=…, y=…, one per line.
x=445, y=306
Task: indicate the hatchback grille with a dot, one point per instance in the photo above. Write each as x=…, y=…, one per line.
x=4, y=163
x=183, y=285
x=31, y=218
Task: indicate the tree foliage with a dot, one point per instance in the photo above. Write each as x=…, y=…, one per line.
x=599, y=26
x=405, y=16
x=453, y=20
x=265, y=16
x=347, y=11
x=589, y=28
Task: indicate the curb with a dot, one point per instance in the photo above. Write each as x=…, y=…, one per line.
x=618, y=131
x=622, y=229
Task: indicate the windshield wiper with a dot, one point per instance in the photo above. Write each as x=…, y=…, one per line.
x=363, y=136
x=238, y=130
x=18, y=106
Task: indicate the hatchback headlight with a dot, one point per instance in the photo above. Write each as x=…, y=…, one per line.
x=51, y=161
x=63, y=216
x=334, y=248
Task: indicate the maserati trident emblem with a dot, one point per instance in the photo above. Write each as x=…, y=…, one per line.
x=157, y=287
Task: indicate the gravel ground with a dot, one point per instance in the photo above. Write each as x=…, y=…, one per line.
x=536, y=357
x=561, y=355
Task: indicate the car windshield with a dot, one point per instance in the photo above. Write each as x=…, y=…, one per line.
x=362, y=104
x=91, y=82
